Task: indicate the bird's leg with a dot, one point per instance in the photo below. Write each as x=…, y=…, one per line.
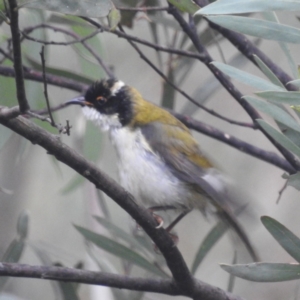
x=158, y=218
x=162, y=207
x=181, y=216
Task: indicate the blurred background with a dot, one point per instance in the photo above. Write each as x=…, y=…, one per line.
x=52, y=198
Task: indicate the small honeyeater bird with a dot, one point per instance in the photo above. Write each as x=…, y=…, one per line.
x=160, y=163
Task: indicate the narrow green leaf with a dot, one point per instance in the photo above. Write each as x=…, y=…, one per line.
x=264, y=272
x=168, y=95
x=268, y=72
x=73, y=184
x=106, y=266
x=114, y=18
x=279, y=137
x=188, y=6
x=209, y=241
x=12, y=255
x=22, y=225
x=295, y=82
x=280, y=97
x=246, y=78
x=60, y=72
x=288, y=240
x=122, y=234
x=259, y=28
x=274, y=111
x=246, y=6
x=68, y=290
x=294, y=180
x=91, y=8
x=5, y=134
x=119, y=250
x=271, y=16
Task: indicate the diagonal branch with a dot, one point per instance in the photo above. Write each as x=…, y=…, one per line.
x=68, y=156
x=236, y=94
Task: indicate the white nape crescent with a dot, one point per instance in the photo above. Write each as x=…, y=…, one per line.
x=116, y=87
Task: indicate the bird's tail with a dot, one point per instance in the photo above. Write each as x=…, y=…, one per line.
x=228, y=218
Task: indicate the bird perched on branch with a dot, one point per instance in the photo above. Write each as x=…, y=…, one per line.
x=160, y=162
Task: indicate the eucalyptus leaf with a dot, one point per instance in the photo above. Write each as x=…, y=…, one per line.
x=295, y=82
x=60, y=72
x=209, y=241
x=188, y=6
x=91, y=8
x=5, y=134
x=23, y=224
x=288, y=240
x=294, y=180
x=73, y=184
x=280, y=97
x=168, y=95
x=259, y=28
x=264, y=272
x=106, y=266
x=12, y=255
x=68, y=290
x=120, y=233
x=274, y=111
x=114, y=18
x=119, y=250
x=268, y=72
x=271, y=16
x=246, y=78
x=247, y=6
x=279, y=137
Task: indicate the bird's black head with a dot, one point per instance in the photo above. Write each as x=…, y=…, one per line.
x=108, y=97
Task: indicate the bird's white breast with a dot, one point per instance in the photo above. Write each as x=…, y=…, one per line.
x=143, y=173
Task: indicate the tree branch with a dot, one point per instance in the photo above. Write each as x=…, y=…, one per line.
x=51, y=79
x=68, y=156
x=162, y=286
x=208, y=130
x=18, y=66
x=236, y=94
x=230, y=140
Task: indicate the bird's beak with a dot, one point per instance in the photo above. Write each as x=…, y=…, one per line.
x=78, y=101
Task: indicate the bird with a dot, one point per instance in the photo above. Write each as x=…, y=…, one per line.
x=160, y=163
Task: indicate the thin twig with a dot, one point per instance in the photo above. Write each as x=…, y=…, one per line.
x=42, y=54
x=77, y=38
x=143, y=42
x=18, y=66
x=26, y=32
x=248, y=125
x=144, y=8
x=281, y=191
x=51, y=79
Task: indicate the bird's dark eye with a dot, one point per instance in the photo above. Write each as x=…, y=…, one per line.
x=101, y=100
